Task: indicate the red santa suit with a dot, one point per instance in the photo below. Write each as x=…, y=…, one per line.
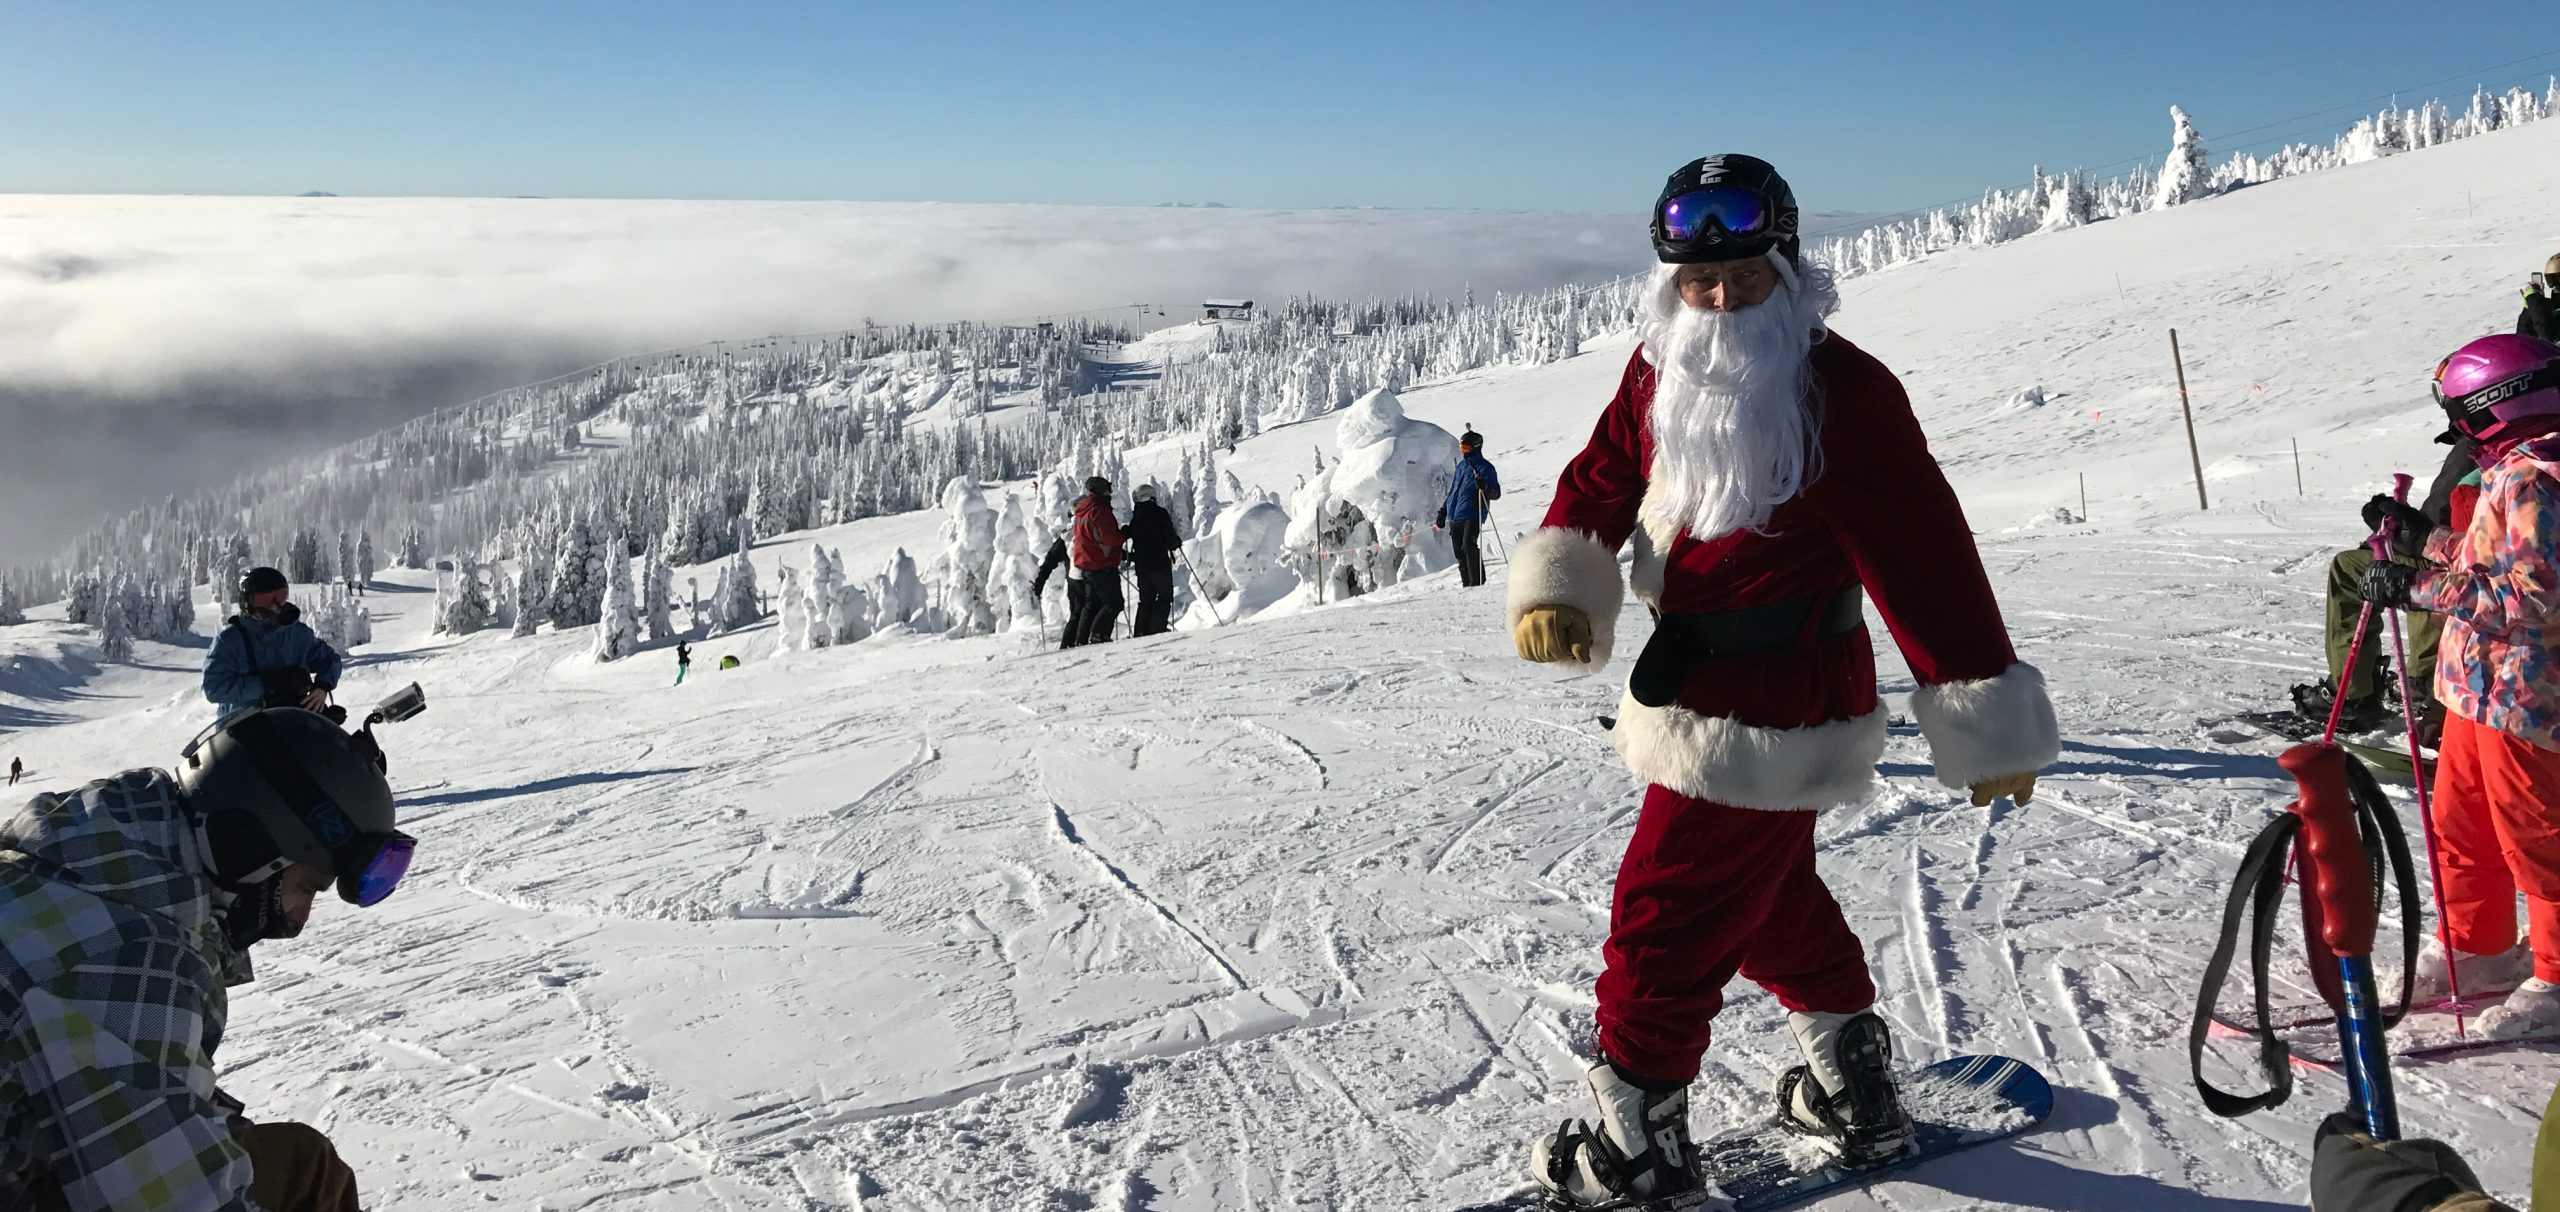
x=1719, y=876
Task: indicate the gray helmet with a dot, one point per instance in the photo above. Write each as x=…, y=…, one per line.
x=281, y=785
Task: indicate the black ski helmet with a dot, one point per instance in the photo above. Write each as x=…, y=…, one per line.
x=281, y=785
x=1710, y=237
x=1471, y=440
x=1098, y=486
x=260, y=580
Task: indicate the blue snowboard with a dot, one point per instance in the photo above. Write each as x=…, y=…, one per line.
x=1954, y=1104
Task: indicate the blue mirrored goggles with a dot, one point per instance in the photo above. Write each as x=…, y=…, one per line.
x=1726, y=208
x=386, y=859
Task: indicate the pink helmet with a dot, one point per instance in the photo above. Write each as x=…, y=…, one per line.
x=2502, y=386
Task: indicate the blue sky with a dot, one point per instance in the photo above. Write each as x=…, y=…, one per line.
x=1867, y=105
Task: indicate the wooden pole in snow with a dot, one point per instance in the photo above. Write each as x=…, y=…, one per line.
x=2084, y=496
x=2194, y=456
x=2297, y=467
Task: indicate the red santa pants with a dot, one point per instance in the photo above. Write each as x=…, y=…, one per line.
x=1706, y=891
x=2497, y=821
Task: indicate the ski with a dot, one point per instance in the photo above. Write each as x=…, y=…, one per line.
x=1954, y=1104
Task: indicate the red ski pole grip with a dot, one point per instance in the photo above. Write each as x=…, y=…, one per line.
x=2340, y=876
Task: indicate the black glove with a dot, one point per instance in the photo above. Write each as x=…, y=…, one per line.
x=2387, y=584
x=1440, y=521
x=2410, y=528
x=2352, y=1173
x=1039, y=584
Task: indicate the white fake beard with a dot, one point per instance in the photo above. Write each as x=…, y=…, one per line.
x=1733, y=415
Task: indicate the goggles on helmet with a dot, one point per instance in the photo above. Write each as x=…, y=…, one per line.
x=1704, y=214
x=2471, y=410
x=386, y=859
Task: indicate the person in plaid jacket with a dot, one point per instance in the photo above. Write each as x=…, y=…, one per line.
x=126, y=909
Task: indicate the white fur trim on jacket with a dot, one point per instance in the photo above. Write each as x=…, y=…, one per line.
x=1745, y=766
x=1988, y=728
x=1560, y=566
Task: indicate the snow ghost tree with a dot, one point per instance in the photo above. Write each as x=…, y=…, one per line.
x=365, y=565
x=794, y=604
x=968, y=557
x=1368, y=518
x=826, y=580
x=12, y=612
x=1251, y=541
x=735, y=603
x=1009, y=573
x=578, y=584
x=2186, y=177
x=902, y=599
x=466, y=610
x=657, y=584
x=115, y=637
x=532, y=594
x=618, y=614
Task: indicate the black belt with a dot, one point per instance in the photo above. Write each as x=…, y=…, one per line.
x=1680, y=641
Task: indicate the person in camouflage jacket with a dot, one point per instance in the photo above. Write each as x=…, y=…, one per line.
x=122, y=936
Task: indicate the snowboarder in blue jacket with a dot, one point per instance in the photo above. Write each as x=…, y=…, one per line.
x=266, y=655
x=1473, y=488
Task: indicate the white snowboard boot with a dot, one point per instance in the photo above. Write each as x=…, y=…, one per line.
x=1639, y=1155
x=1844, y=1090
x=2531, y=1012
x=2479, y=974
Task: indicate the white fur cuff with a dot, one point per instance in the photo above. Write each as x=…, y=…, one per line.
x=1988, y=728
x=1560, y=566
x=1738, y=764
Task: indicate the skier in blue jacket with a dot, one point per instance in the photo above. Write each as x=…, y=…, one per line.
x=1473, y=488
x=266, y=655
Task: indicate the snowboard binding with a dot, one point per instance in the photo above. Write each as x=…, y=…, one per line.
x=1863, y=1118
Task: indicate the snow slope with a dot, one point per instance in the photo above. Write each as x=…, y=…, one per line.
x=1304, y=913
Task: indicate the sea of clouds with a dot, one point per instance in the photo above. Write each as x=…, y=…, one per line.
x=153, y=344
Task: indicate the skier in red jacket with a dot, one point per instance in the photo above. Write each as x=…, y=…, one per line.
x=1771, y=477
x=1094, y=558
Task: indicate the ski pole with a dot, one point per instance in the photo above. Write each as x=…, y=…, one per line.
x=1198, y=586
x=2418, y=774
x=1498, y=546
x=2342, y=882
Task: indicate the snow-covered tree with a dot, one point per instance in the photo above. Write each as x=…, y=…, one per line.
x=578, y=578
x=1205, y=505
x=2187, y=174
x=344, y=572
x=467, y=609
x=12, y=611
x=617, y=615
x=968, y=554
x=900, y=592
x=735, y=603
x=1009, y=573
x=533, y=594
x=302, y=559
x=791, y=601
x=365, y=565
x=115, y=637
x=657, y=586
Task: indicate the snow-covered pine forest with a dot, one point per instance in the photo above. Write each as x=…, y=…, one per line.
x=685, y=458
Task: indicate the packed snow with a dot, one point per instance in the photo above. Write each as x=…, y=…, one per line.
x=1304, y=912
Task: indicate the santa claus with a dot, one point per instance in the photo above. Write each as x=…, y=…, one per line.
x=1771, y=478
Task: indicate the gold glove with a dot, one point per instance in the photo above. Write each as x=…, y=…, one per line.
x=1553, y=633
x=2018, y=787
